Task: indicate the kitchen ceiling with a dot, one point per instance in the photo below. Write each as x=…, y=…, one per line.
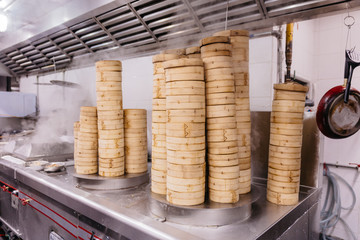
x=123, y=28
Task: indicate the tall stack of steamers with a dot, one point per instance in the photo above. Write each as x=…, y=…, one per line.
x=102, y=136
x=207, y=128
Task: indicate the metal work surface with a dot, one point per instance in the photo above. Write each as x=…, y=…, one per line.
x=135, y=28
x=128, y=212
x=206, y=214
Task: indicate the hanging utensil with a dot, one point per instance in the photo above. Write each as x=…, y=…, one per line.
x=338, y=113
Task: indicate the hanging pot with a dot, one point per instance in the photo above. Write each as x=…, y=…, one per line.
x=338, y=113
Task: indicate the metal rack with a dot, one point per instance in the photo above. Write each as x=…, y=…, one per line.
x=138, y=28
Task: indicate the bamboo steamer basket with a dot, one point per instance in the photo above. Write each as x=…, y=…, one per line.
x=111, y=134
x=192, y=50
x=159, y=188
x=108, y=76
x=164, y=57
x=225, y=160
x=110, y=115
x=215, y=47
x=136, y=168
x=177, y=51
x=185, y=147
x=185, y=70
x=288, y=95
x=183, y=76
x=185, y=157
x=288, y=106
x=214, y=39
x=194, y=55
x=185, y=102
x=218, y=62
x=220, y=99
x=230, y=196
x=159, y=164
x=159, y=104
x=111, y=162
x=225, y=172
x=111, y=95
x=111, y=172
x=191, y=199
x=222, y=135
x=182, y=62
x=88, y=111
x=207, y=54
x=219, y=111
x=86, y=169
x=220, y=184
x=282, y=198
x=186, y=171
x=283, y=178
x=159, y=116
x=186, y=188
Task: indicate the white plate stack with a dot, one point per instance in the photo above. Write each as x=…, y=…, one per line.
x=87, y=143
x=158, y=153
x=110, y=118
x=239, y=40
x=222, y=142
x=76, y=136
x=185, y=131
x=193, y=52
x=285, y=143
x=136, y=153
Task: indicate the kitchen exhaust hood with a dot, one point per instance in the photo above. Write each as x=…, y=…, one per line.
x=125, y=29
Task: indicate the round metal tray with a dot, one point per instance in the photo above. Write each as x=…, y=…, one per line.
x=207, y=214
x=96, y=182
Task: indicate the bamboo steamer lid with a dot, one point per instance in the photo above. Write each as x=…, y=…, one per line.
x=282, y=198
x=225, y=172
x=186, y=188
x=88, y=111
x=159, y=104
x=219, y=111
x=135, y=113
x=295, y=87
x=214, y=39
x=284, y=179
x=164, y=57
x=185, y=157
x=111, y=172
x=86, y=169
x=182, y=62
x=232, y=33
x=184, y=76
x=289, y=95
x=224, y=196
x=223, y=184
x=159, y=188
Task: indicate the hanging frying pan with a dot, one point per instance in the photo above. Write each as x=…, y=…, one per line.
x=338, y=113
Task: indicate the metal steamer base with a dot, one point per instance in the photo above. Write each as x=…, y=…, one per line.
x=96, y=182
x=207, y=214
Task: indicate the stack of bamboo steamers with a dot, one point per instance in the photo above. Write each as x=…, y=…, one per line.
x=285, y=143
x=101, y=138
x=110, y=118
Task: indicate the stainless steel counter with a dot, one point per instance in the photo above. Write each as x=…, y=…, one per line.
x=126, y=214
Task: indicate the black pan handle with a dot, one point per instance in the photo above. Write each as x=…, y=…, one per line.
x=352, y=60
